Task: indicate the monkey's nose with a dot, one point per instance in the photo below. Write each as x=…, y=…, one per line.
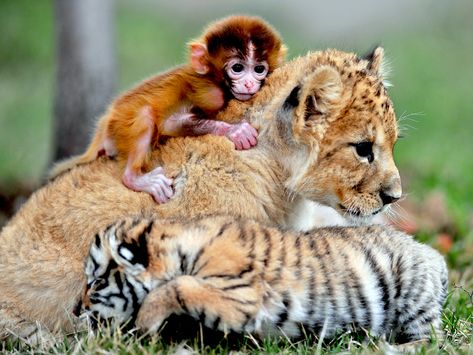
x=249, y=84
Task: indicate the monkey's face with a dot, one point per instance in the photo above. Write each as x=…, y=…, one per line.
x=245, y=76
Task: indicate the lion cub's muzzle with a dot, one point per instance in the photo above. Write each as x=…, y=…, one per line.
x=392, y=192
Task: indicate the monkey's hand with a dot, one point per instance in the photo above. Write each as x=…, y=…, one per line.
x=243, y=135
x=155, y=183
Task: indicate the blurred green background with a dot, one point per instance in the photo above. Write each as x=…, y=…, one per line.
x=428, y=43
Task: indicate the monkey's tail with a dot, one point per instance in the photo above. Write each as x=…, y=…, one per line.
x=92, y=153
x=69, y=163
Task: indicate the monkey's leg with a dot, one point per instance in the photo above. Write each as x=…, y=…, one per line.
x=242, y=134
x=217, y=308
x=154, y=182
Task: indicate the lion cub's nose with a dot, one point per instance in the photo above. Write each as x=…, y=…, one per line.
x=387, y=199
x=391, y=191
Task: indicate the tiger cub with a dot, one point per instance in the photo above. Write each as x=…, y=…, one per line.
x=237, y=275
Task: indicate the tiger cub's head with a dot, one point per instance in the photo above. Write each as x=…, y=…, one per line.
x=113, y=268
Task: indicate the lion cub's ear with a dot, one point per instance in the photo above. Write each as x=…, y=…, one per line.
x=312, y=103
x=316, y=97
x=378, y=65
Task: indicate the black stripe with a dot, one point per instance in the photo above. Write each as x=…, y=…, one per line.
x=412, y=291
x=297, y=245
x=398, y=269
x=324, y=259
x=196, y=261
x=236, y=300
x=234, y=287
x=184, y=265
x=252, y=245
x=165, y=236
x=246, y=270
x=320, y=298
x=283, y=257
x=382, y=284
x=242, y=232
x=222, y=230
x=312, y=286
x=203, y=249
x=364, y=300
x=428, y=319
x=333, y=284
x=26, y=336
x=267, y=251
x=223, y=276
x=95, y=263
x=420, y=310
x=117, y=276
x=134, y=298
x=98, y=242
x=106, y=275
x=284, y=314
x=179, y=300
x=351, y=282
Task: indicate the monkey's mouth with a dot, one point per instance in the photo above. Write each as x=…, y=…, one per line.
x=242, y=96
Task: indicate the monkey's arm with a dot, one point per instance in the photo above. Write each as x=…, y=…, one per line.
x=242, y=134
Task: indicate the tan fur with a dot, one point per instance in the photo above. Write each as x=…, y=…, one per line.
x=237, y=275
x=303, y=152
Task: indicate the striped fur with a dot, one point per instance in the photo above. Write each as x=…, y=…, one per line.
x=237, y=275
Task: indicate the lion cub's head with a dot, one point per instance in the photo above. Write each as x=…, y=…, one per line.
x=339, y=129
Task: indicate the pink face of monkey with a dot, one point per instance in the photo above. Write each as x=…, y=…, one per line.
x=246, y=75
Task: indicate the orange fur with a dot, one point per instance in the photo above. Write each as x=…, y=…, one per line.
x=198, y=84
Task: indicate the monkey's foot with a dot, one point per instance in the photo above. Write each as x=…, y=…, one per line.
x=243, y=135
x=155, y=183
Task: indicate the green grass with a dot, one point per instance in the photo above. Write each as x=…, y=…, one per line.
x=432, y=90
x=108, y=340
x=26, y=79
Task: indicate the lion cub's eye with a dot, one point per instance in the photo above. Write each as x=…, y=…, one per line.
x=364, y=150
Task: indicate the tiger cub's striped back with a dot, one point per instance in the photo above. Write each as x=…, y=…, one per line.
x=237, y=275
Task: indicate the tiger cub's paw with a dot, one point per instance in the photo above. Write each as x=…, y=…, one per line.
x=156, y=308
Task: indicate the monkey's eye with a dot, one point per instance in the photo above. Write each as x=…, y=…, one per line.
x=260, y=69
x=237, y=67
x=364, y=150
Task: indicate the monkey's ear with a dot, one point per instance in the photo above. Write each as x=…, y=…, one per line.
x=198, y=57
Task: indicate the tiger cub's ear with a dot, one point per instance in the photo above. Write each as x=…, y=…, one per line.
x=98, y=259
x=129, y=247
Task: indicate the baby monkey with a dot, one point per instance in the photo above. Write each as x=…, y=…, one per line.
x=230, y=60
